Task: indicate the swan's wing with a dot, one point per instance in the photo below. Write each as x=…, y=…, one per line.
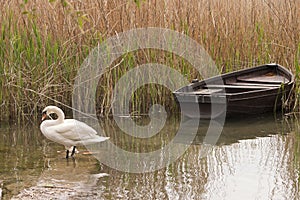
x=68, y=131
x=52, y=134
x=77, y=131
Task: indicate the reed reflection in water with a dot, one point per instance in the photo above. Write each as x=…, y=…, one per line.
x=253, y=159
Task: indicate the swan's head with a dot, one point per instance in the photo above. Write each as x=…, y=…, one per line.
x=49, y=110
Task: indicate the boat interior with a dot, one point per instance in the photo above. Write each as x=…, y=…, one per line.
x=261, y=80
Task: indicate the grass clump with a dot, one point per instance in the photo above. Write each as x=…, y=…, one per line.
x=43, y=43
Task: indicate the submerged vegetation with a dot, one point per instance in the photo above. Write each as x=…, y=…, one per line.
x=43, y=43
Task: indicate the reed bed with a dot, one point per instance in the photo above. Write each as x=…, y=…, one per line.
x=44, y=42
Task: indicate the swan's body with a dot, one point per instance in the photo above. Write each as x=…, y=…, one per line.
x=68, y=132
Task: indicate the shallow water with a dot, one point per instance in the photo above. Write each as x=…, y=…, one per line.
x=253, y=159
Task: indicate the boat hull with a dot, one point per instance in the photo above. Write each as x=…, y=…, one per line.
x=251, y=91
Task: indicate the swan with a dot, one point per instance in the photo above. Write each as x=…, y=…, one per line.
x=68, y=132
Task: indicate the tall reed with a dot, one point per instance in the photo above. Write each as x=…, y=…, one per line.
x=43, y=43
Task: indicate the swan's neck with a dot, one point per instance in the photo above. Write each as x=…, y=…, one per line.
x=60, y=116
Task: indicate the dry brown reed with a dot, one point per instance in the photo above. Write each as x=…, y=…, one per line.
x=43, y=43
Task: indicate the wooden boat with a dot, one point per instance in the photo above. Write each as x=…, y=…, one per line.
x=254, y=90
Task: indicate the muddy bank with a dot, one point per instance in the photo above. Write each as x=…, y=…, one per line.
x=61, y=189
x=40, y=192
x=63, y=179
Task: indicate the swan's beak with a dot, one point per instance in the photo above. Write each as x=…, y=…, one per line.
x=44, y=116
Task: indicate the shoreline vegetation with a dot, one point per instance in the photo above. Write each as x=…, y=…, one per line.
x=43, y=44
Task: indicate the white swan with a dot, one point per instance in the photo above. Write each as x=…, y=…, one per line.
x=68, y=132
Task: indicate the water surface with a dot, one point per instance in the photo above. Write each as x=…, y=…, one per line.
x=253, y=159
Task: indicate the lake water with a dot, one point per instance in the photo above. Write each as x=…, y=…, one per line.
x=253, y=159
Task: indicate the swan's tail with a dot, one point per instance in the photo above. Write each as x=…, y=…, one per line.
x=94, y=140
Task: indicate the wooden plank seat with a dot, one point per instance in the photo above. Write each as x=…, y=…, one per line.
x=253, y=84
x=240, y=86
x=275, y=79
